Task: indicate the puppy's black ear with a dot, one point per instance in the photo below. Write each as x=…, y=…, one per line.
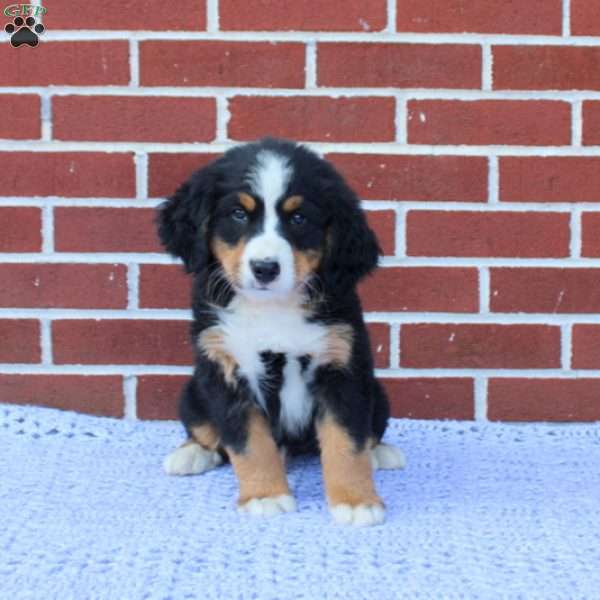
x=351, y=249
x=183, y=220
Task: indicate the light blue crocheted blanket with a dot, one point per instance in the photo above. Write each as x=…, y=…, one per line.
x=481, y=511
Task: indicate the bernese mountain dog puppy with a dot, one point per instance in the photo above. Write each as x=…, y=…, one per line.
x=276, y=243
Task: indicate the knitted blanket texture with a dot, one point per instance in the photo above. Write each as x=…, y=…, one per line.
x=481, y=511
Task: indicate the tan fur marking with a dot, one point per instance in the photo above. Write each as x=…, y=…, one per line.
x=292, y=203
x=205, y=435
x=230, y=257
x=259, y=468
x=347, y=472
x=306, y=262
x=339, y=342
x=247, y=201
x=212, y=342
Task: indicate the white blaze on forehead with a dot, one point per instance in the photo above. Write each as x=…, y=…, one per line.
x=269, y=180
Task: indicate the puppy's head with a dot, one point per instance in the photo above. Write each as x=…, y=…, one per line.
x=272, y=218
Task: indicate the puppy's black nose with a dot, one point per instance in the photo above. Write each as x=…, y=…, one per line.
x=265, y=271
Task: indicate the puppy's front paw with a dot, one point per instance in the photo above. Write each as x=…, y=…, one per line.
x=268, y=507
x=361, y=515
x=191, y=459
x=384, y=456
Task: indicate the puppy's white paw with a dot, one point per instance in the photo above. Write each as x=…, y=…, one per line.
x=191, y=459
x=361, y=515
x=384, y=456
x=268, y=507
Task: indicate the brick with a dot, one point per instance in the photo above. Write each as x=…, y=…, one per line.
x=20, y=229
x=166, y=172
x=134, y=118
x=536, y=17
x=94, y=395
x=591, y=123
x=121, y=342
x=105, y=230
x=289, y=15
x=66, y=63
x=489, y=122
x=501, y=234
x=379, y=335
x=431, y=398
x=149, y=15
x=537, y=290
x=20, y=341
x=21, y=117
x=219, y=63
x=399, y=65
x=69, y=174
x=63, y=286
x=550, y=179
x=164, y=286
x=590, y=233
x=546, y=67
x=585, y=17
x=586, y=347
x=479, y=346
x=313, y=118
x=421, y=289
x=383, y=223
x=415, y=178
x=565, y=400
x=158, y=396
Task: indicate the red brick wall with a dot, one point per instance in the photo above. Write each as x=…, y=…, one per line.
x=471, y=129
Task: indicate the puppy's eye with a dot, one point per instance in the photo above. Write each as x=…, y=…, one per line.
x=297, y=219
x=239, y=214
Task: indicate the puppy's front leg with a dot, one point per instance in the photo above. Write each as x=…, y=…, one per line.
x=260, y=469
x=343, y=434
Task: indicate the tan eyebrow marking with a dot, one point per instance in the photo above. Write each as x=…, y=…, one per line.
x=292, y=203
x=247, y=201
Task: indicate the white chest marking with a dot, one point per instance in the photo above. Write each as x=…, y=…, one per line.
x=251, y=328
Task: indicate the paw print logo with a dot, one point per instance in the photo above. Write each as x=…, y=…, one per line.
x=24, y=32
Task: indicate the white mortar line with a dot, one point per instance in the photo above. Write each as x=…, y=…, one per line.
x=44, y=201
x=487, y=67
x=212, y=16
x=576, y=236
x=47, y=229
x=566, y=22
x=129, y=393
x=133, y=285
x=46, y=116
x=493, y=180
x=311, y=66
x=400, y=238
x=481, y=390
x=395, y=346
x=401, y=119
x=329, y=92
x=484, y=290
x=134, y=63
x=566, y=337
x=373, y=37
x=128, y=370
x=403, y=318
x=577, y=122
x=386, y=148
x=141, y=177
x=46, y=341
x=391, y=16
x=223, y=116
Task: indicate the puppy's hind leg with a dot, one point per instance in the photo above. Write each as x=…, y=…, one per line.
x=201, y=450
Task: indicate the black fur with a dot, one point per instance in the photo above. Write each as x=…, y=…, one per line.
x=336, y=226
